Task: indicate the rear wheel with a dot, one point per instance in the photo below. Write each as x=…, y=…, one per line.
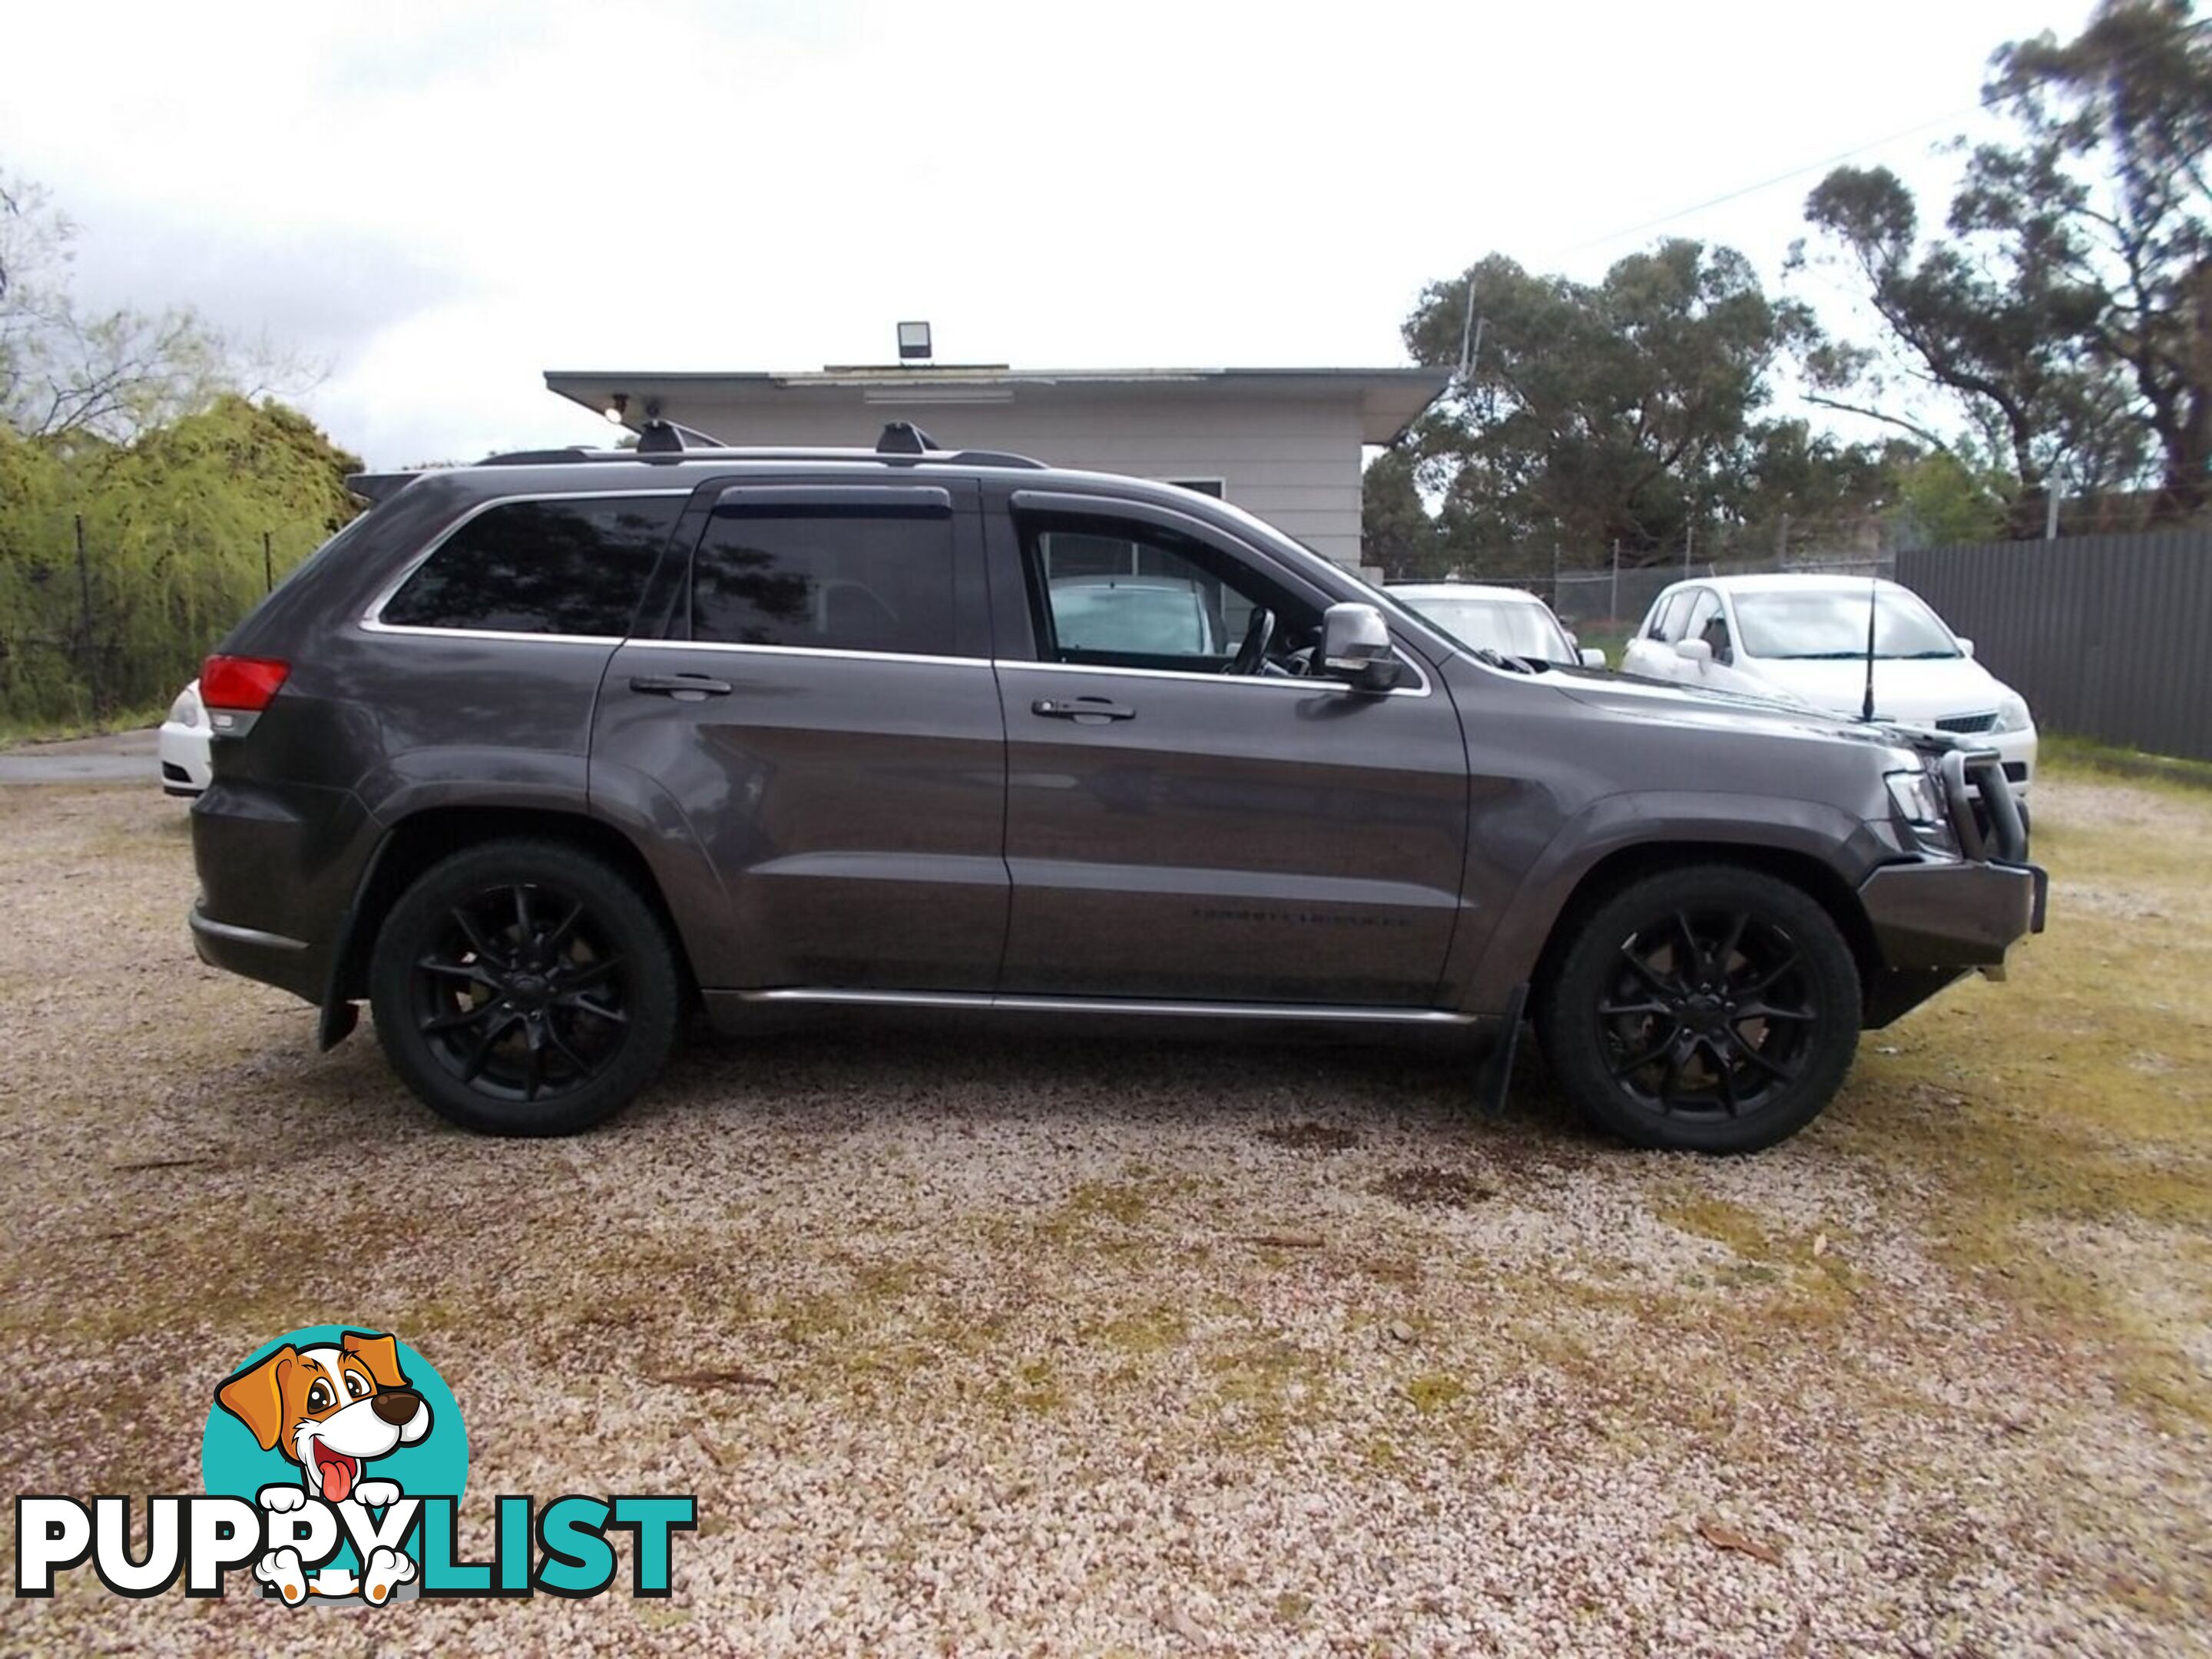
x=524, y=987
x=1707, y=1009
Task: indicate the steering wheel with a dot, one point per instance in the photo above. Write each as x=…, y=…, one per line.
x=1258, y=634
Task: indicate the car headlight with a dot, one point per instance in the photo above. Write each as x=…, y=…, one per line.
x=184, y=711
x=1919, y=801
x=2012, y=715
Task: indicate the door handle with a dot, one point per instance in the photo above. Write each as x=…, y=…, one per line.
x=1082, y=709
x=689, y=687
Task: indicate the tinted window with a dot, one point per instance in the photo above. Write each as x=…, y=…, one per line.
x=560, y=567
x=843, y=582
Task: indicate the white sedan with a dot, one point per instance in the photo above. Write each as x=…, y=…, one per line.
x=1509, y=621
x=183, y=744
x=1804, y=638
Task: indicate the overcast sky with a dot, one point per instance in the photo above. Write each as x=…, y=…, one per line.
x=441, y=201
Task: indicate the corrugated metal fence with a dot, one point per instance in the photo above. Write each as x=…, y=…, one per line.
x=2108, y=636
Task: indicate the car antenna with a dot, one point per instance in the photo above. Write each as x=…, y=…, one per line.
x=1874, y=594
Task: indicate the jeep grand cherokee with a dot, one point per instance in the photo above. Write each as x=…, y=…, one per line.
x=537, y=756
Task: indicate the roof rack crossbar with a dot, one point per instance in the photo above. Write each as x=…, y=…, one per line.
x=904, y=438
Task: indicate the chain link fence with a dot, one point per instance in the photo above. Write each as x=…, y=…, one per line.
x=1605, y=593
x=1613, y=601
x=1609, y=602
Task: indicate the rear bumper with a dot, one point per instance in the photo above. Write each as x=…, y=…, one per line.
x=278, y=864
x=1953, y=913
x=183, y=753
x=287, y=964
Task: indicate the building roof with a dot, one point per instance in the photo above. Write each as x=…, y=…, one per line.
x=1389, y=399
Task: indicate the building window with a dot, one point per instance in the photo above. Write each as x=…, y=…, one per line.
x=1213, y=486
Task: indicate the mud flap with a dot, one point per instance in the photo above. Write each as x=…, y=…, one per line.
x=339, y=1017
x=1496, y=1075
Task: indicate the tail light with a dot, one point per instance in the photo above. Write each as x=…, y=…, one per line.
x=231, y=686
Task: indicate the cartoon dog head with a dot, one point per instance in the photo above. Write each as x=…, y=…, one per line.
x=329, y=1408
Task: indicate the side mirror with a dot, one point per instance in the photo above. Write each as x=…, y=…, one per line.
x=1592, y=657
x=1965, y=647
x=1693, y=651
x=1355, y=647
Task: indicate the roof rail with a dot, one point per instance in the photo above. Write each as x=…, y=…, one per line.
x=679, y=446
x=546, y=457
x=993, y=457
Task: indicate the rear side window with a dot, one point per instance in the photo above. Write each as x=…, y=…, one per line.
x=554, y=567
x=825, y=579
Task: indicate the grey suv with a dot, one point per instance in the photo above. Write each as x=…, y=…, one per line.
x=537, y=755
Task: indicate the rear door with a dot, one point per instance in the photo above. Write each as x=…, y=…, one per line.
x=1183, y=826
x=818, y=715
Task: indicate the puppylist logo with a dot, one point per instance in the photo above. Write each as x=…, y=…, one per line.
x=334, y=1460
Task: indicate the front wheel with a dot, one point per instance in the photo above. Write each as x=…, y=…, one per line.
x=1709, y=1009
x=524, y=987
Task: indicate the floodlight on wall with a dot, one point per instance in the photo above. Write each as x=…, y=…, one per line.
x=617, y=408
x=913, y=342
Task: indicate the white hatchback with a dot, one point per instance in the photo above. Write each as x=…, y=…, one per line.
x=1804, y=638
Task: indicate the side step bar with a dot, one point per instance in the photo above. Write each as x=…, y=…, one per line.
x=985, y=1001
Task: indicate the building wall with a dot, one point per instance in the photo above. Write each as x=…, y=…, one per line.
x=1295, y=464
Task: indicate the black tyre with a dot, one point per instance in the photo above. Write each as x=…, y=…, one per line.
x=524, y=987
x=1709, y=1009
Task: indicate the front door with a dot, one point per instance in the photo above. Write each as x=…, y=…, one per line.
x=821, y=721
x=1190, y=815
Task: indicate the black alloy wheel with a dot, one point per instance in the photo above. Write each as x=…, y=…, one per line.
x=1710, y=1009
x=524, y=987
x=522, y=995
x=1710, y=1013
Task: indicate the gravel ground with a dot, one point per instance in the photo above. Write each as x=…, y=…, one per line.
x=1016, y=1346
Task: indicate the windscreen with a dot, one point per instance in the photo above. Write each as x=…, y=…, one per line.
x=1832, y=624
x=1512, y=627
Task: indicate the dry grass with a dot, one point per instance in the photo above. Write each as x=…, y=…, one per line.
x=977, y=1346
